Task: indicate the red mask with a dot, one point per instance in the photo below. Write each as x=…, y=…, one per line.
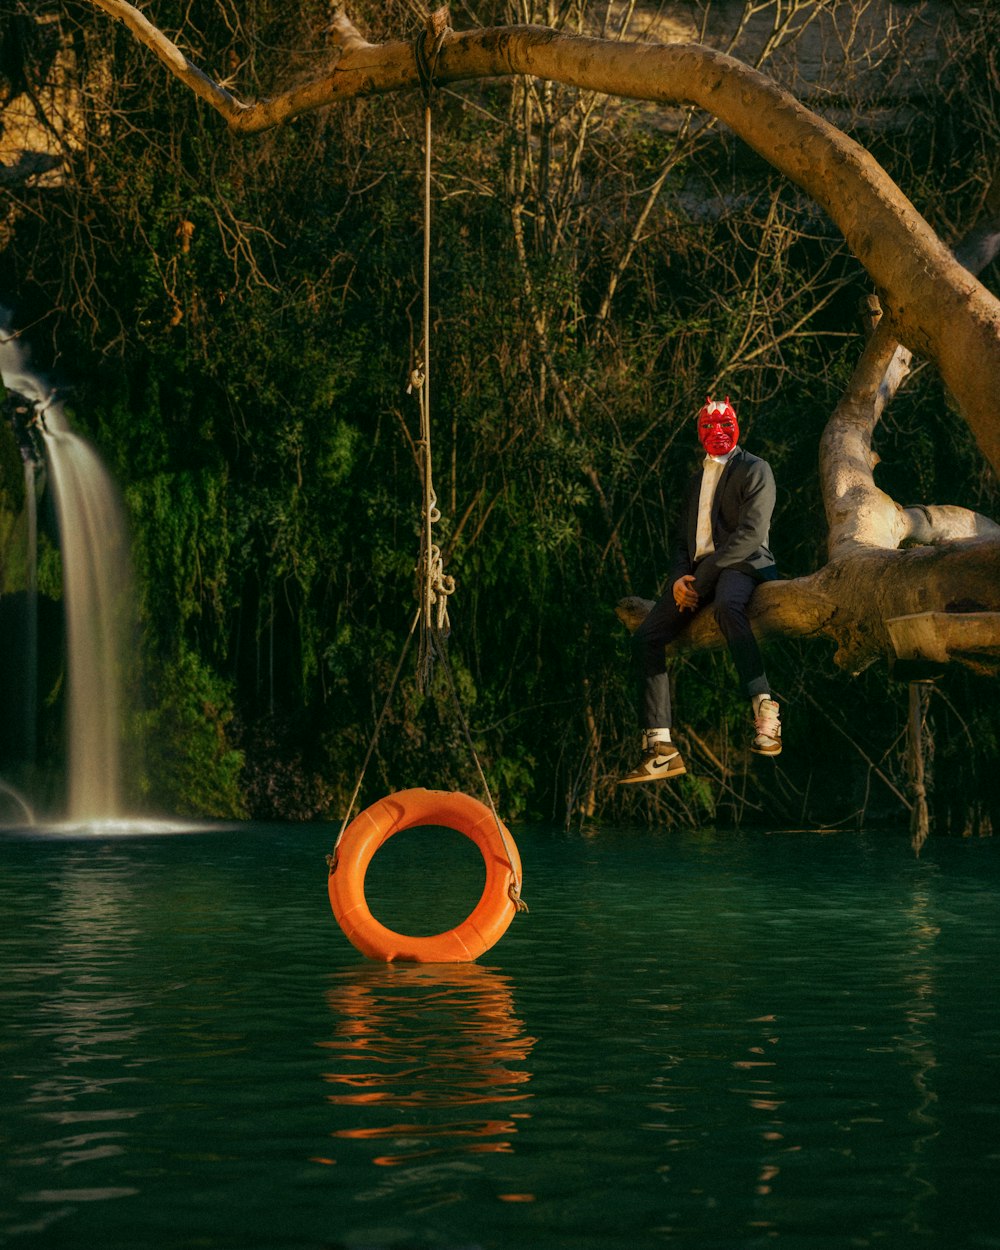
x=718, y=429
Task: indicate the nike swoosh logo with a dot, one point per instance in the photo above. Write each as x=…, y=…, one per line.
x=664, y=763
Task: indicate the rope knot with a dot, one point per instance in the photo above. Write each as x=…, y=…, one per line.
x=427, y=48
x=438, y=585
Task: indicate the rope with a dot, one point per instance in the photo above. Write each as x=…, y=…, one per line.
x=331, y=859
x=515, y=886
x=434, y=586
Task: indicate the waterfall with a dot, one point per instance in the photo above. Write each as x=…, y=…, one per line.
x=95, y=593
x=96, y=597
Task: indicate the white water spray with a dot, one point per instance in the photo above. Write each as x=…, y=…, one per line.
x=96, y=595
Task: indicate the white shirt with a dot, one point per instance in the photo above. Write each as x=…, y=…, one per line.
x=710, y=474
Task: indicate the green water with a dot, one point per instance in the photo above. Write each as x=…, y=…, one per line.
x=725, y=1040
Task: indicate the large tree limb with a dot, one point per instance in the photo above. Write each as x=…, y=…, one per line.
x=860, y=514
x=851, y=600
x=935, y=305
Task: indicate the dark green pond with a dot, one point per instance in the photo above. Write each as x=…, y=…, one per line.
x=712, y=1041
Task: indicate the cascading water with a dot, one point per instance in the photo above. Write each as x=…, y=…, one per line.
x=95, y=591
x=96, y=596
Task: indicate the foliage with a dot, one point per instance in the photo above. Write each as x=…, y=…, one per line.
x=191, y=768
x=238, y=320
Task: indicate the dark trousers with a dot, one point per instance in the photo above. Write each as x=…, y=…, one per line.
x=666, y=621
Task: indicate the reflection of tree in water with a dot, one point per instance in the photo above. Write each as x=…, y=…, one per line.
x=822, y=1095
x=416, y=1049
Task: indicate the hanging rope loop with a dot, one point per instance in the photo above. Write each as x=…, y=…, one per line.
x=331, y=859
x=434, y=586
x=514, y=893
x=515, y=885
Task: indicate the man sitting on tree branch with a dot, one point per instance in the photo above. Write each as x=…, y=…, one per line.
x=721, y=556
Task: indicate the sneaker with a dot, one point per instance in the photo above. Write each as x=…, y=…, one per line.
x=659, y=763
x=767, y=724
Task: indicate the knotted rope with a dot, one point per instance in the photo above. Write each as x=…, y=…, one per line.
x=434, y=586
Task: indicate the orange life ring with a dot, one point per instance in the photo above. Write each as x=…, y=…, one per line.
x=488, y=921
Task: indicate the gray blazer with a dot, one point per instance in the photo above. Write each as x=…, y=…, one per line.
x=741, y=520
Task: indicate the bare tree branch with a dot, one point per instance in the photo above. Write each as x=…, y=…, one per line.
x=936, y=306
x=175, y=60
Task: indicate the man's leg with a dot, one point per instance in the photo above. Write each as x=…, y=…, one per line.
x=660, y=758
x=732, y=595
x=664, y=622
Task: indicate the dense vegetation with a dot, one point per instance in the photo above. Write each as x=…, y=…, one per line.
x=235, y=323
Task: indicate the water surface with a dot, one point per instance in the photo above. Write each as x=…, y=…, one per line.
x=714, y=1040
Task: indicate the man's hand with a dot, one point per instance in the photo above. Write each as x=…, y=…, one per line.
x=685, y=595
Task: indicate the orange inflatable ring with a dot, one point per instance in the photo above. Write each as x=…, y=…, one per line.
x=373, y=827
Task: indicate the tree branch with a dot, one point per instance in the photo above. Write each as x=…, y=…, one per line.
x=939, y=523
x=859, y=514
x=936, y=306
x=852, y=599
x=175, y=60
x=345, y=34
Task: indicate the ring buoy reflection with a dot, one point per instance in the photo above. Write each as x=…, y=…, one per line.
x=372, y=828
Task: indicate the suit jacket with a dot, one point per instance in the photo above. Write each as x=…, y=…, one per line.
x=741, y=520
